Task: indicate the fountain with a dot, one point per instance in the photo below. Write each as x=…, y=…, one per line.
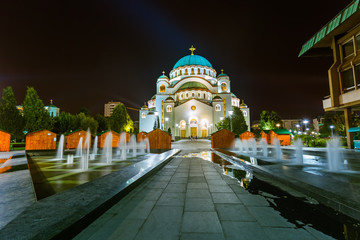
x=107, y=150
x=252, y=143
x=238, y=145
x=95, y=149
x=147, y=145
x=299, y=152
x=333, y=155
x=278, y=153
x=70, y=159
x=264, y=148
x=122, y=145
x=133, y=145
x=245, y=146
x=78, y=152
x=84, y=160
x=60, y=151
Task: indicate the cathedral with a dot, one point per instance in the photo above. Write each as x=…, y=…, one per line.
x=191, y=100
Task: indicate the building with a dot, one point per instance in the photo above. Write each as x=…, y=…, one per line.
x=191, y=100
x=340, y=39
x=109, y=108
x=53, y=110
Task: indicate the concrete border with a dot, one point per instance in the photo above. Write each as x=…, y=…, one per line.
x=64, y=215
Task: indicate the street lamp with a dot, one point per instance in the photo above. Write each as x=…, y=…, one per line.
x=278, y=125
x=305, y=123
x=332, y=130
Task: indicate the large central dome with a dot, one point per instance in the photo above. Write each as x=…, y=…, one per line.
x=192, y=60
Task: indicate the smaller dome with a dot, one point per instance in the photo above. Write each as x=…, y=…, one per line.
x=233, y=95
x=243, y=105
x=217, y=98
x=163, y=76
x=222, y=74
x=169, y=99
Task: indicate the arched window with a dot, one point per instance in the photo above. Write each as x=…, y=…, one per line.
x=223, y=86
x=168, y=108
x=143, y=115
x=204, y=96
x=198, y=72
x=162, y=88
x=193, y=94
x=245, y=113
x=199, y=95
x=182, y=124
x=187, y=95
x=181, y=96
x=186, y=71
x=192, y=71
x=217, y=107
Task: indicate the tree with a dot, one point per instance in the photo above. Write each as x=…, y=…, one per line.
x=156, y=123
x=89, y=123
x=337, y=120
x=11, y=120
x=85, y=110
x=236, y=123
x=63, y=123
x=118, y=118
x=103, y=122
x=35, y=115
x=268, y=120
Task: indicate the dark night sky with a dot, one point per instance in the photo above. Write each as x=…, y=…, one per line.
x=86, y=53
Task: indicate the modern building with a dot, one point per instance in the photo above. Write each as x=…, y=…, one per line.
x=340, y=39
x=191, y=100
x=109, y=108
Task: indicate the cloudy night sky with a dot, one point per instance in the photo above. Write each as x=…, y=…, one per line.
x=86, y=53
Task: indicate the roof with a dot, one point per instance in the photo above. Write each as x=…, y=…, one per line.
x=233, y=95
x=76, y=130
x=192, y=85
x=336, y=26
x=163, y=76
x=281, y=131
x=354, y=129
x=217, y=97
x=222, y=75
x=169, y=99
x=192, y=60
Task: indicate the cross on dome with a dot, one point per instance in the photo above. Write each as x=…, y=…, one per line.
x=163, y=72
x=192, y=49
x=222, y=71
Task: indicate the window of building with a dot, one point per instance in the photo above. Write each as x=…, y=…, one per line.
x=192, y=71
x=182, y=124
x=199, y=95
x=143, y=115
x=204, y=96
x=217, y=107
x=181, y=96
x=357, y=39
x=347, y=80
x=357, y=71
x=223, y=86
x=168, y=108
x=245, y=113
x=348, y=49
x=193, y=95
x=186, y=72
x=187, y=95
x=162, y=88
x=198, y=71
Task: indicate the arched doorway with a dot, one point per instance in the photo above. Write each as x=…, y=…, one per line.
x=204, y=128
x=193, y=127
x=182, y=129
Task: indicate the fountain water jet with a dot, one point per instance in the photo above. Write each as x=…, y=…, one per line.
x=245, y=145
x=107, y=150
x=84, y=160
x=60, y=151
x=264, y=147
x=333, y=155
x=147, y=145
x=133, y=145
x=122, y=145
x=78, y=152
x=70, y=159
x=252, y=143
x=278, y=153
x=299, y=152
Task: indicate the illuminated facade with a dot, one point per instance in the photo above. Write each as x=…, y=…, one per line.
x=191, y=101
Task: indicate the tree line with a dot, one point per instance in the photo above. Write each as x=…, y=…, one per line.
x=35, y=117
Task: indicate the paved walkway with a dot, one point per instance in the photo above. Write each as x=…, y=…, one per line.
x=190, y=198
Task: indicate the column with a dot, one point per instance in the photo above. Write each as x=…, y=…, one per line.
x=348, y=124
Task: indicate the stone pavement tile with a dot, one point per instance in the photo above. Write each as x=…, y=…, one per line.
x=149, y=194
x=253, y=200
x=243, y=231
x=213, y=177
x=156, y=185
x=220, y=188
x=161, y=178
x=198, y=179
x=172, y=199
x=127, y=230
x=166, y=173
x=162, y=223
x=238, y=189
x=317, y=234
x=182, y=170
x=268, y=217
x=197, y=186
x=288, y=233
x=199, y=205
x=230, y=180
x=211, y=173
x=216, y=182
x=140, y=210
x=175, y=187
x=179, y=180
x=181, y=174
x=196, y=174
x=225, y=197
x=202, y=236
x=233, y=212
x=201, y=222
x=198, y=193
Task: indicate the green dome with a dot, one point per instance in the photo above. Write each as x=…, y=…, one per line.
x=163, y=77
x=193, y=85
x=192, y=60
x=222, y=75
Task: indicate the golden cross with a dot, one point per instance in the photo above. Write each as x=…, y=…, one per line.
x=163, y=73
x=192, y=49
x=222, y=71
x=51, y=101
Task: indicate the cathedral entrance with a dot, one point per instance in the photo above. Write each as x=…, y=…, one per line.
x=182, y=129
x=193, y=131
x=203, y=133
x=182, y=133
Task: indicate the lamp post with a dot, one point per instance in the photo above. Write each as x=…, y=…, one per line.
x=278, y=125
x=332, y=130
x=230, y=113
x=305, y=123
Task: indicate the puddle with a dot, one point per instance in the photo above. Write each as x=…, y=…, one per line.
x=303, y=212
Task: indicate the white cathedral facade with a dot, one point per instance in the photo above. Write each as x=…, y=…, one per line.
x=191, y=101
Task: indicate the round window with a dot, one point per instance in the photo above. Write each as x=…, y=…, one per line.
x=193, y=108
